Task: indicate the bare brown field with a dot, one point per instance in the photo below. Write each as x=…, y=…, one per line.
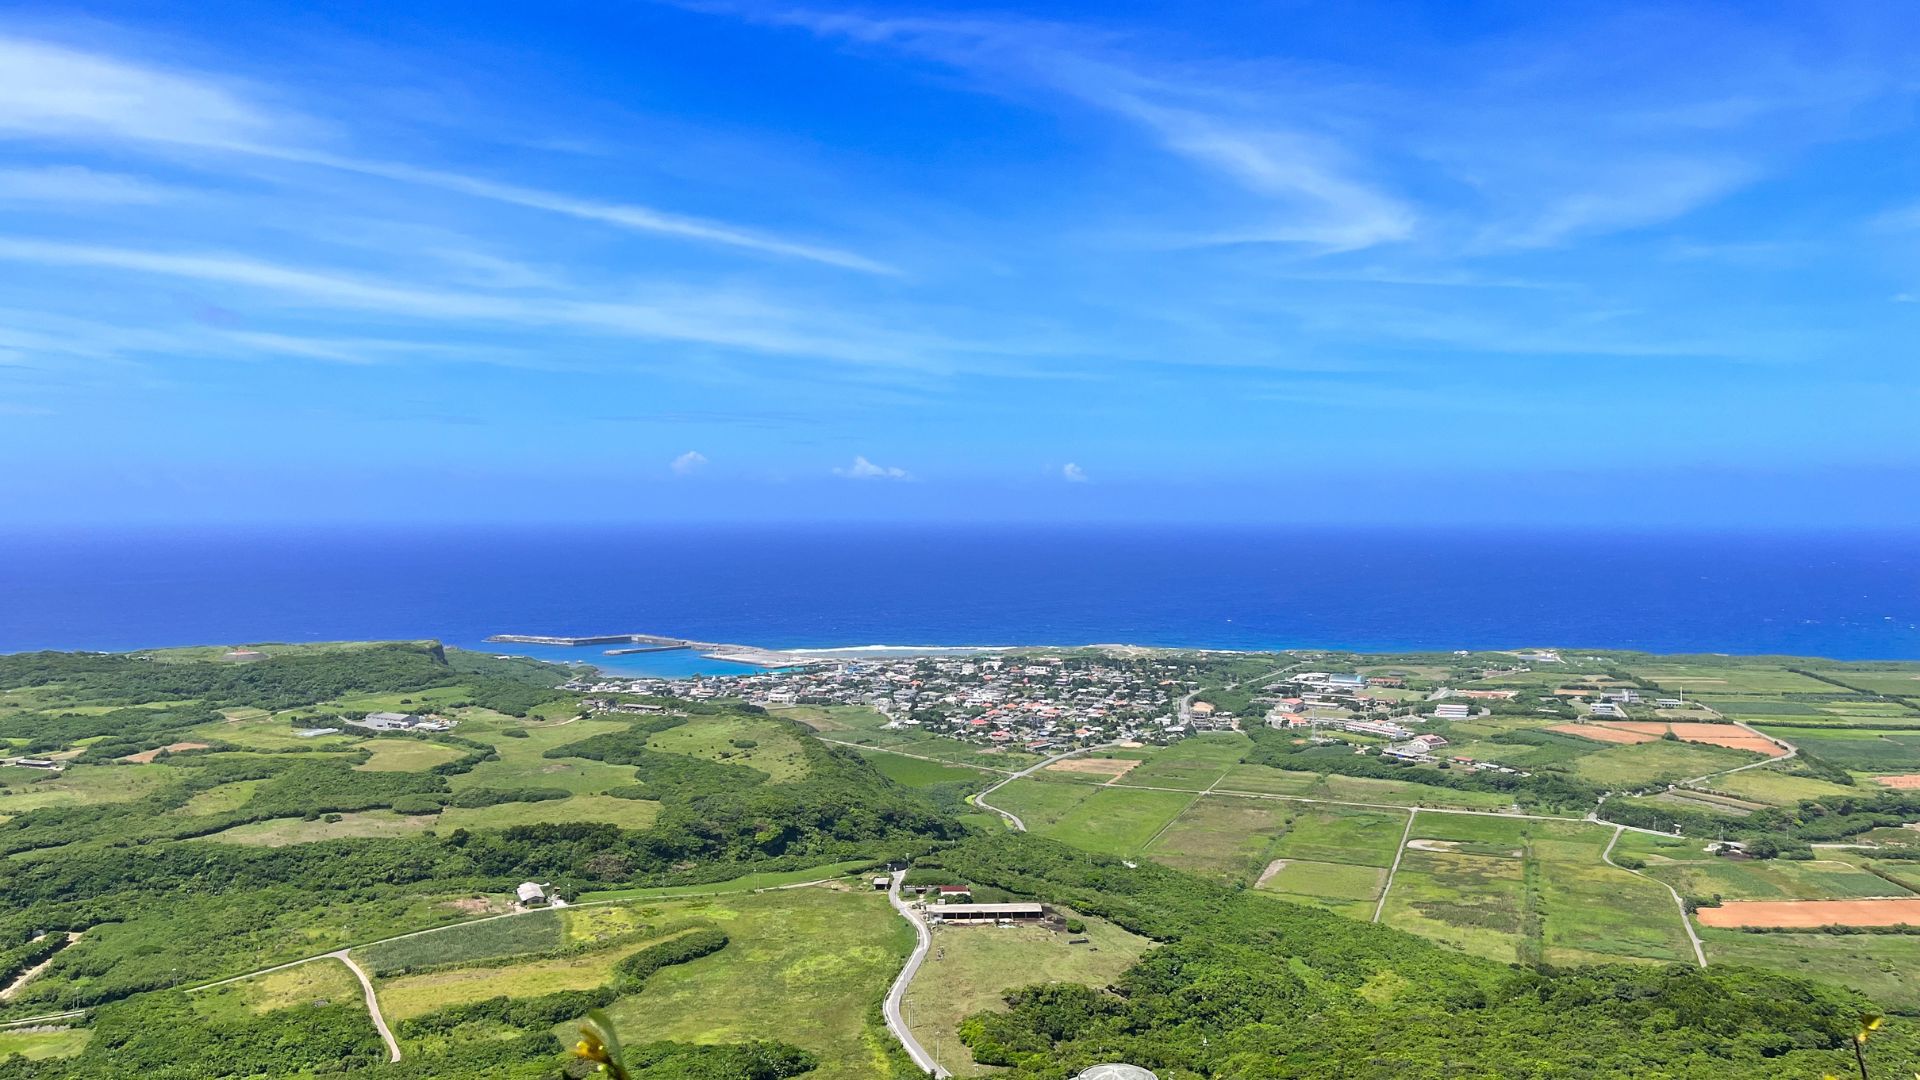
x=1904, y=783
x=1095, y=766
x=147, y=757
x=1599, y=733
x=1812, y=913
x=1727, y=735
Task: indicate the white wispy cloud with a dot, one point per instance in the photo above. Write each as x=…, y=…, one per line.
x=862, y=469
x=711, y=318
x=77, y=184
x=1073, y=474
x=688, y=463
x=51, y=91
x=1318, y=195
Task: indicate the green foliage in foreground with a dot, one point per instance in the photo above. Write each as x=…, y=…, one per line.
x=1251, y=987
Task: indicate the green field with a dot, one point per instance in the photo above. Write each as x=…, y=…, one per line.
x=406, y=755
x=1727, y=678
x=40, y=1045
x=1223, y=837
x=737, y=740
x=768, y=880
x=1117, y=821
x=915, y=772
x=1359, y=837
x=1595, y=913
x=626, y=813
x=1770, y=785
x=1886, y=967
x=972, y=968
x=1644, y=763
x=522, y=766
x=807, y=966
x=1856, y=748
x=1192, y=764
x=1474, y=903
x=279, y=832
x=84, y=785
x=314, y=982
x=1348, y=889
x=1266, y=780
x=536, y=931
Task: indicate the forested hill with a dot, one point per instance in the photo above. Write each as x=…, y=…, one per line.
x=1251, y=988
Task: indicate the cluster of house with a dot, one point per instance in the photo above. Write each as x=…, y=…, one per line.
x=1031, y=702
x=1323, y=703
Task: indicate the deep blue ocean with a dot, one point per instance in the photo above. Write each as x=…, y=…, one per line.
x=1850, y=597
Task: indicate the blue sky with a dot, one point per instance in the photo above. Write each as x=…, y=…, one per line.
x=1475, y=263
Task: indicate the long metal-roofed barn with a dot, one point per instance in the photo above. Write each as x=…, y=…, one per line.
x=1116, y=1071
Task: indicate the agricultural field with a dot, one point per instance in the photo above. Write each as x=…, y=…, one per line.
x=807, y=966
x=738, y=740
x=1266, y=780
x=1883, y=966
x=1858, y=749
x=1193, y=764
x=1644, y=764
x=971, y=969
x=40, y=1045
x=1223, y=837
x=1116, y=821
x=916, y=772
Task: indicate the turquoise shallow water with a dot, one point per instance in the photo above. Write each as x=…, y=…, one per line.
x=1852, y=596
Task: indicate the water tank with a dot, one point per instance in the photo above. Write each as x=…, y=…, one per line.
x=1117, y=1071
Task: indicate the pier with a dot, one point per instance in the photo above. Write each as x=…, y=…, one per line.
x=652, y=641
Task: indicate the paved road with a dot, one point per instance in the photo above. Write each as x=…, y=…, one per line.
x=373, y=1004
x=895, y=994
x=1686, y=921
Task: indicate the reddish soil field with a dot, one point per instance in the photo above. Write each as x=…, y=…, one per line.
x=1603, y=734
x=145, y=757
x=1910, y=780
x=1727, y=735
x=1810, y=913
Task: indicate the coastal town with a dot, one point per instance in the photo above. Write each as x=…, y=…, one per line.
x=1049, y=703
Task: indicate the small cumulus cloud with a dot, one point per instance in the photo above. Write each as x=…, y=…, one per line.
x=1073, y=474
x=862, y=469
x=1906, y=298
x=689, y=463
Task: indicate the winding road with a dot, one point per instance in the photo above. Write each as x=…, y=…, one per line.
x=923, y=940
x=1686, y=921
x=373, y=1003
x=1013, y=819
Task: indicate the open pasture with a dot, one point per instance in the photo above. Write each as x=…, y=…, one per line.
x=406, y=755
x=1116, y=821
x=1857, y=748
x=1773, y=786
x=1339, y=835
x=1266, y=780
x=1341, y=887
x=1192, y=764
x=488, y=939
x=1728, y=678
x=1647, y=763
x=414, y=995
x=1471, y=902
x=914, y=772
x=1701, y=874
x=737, y=740
x=1222, y=837
x=85, y=785
x=973, y=967
x=625, y=813
x=1885, y=967
x=39, y=1045
x=808, y=966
